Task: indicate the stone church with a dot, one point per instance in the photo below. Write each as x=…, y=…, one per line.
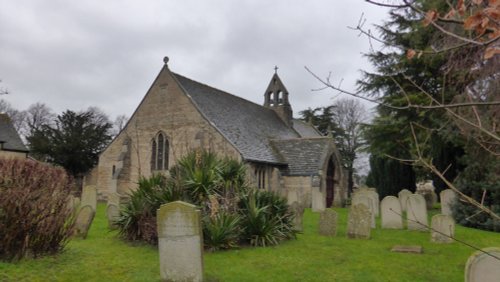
x=178, y=115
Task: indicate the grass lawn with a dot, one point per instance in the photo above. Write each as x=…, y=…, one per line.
x=104, y=257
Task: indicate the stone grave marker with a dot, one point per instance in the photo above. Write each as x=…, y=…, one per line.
x=391, y=213
x=328, y=222
x=403, y=197
x=407, y=249
x=180, y=242
x=447, y=198
x=318, y=200
x=482, y=267
x=298, y=212
x=367, y=201
x=89, y=196
x=442, y=228
x=359, y=222
x=83, y=221
x=113, y=210
x=416, y=213
x=373, y=195
x=73, y=203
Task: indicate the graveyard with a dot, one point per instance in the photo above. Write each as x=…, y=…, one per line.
x=102, y=256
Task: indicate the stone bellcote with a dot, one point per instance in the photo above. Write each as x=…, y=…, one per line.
x=276, y=99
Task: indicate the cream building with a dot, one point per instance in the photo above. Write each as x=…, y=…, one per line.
x=178, y=115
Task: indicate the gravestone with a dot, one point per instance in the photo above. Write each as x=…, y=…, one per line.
x=408, y=249
x=403, y=197
x=318, y=200
x=359, y=222
x=367, y=201
x=328, y=222
x=373, y=195
x=416, y=213
x=180, y=242
x=83, y=221
x=391, y=213
x=482, y=267
x=113, y=210
x=298, y=212
x=89, y=196
x=442, y=228
x=73, y=203
x=447, y=197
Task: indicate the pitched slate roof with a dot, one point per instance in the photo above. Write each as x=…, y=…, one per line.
x=304, y=156
x=9, y=137
x=305, y=129
x=248, y=126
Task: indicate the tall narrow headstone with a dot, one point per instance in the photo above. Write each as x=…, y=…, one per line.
x=318, y=200
x=416, y=213
x=113, y=210
x=180, y=242
x=298, y=212
x=403, y=197
x=361, y=198
x=447, y=197
x=89, y=196
x=359, y=222
x=83, y=221
x=442, y=228
x=328, y=222
x=483, y=267
x=391, y=213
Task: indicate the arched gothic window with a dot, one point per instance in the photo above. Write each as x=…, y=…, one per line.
x=159, y=152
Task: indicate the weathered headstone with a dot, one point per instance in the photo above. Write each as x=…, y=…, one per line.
x=373, y=195
x=361, y=198
x=113, y=210
x=407, y=249
x=89, y=196
x=447, y=197
x=73, y=203
x=359, y=222
x=482, y=267
x=180, y=242
x=403, y=197
x=328, y=222
x=426, y=189
x=442, y=228
x=83, y=221
x=298, y=212
x=318, y=200
x=391, y=213
x=416, y=213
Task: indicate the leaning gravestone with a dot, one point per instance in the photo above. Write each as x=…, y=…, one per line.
x=298, y=211
x=83, y=221
x=482, y=267
x=442, y=228
x=391, y=213
x=403, y=197
x=180, y=242
x=89, y=196
x=416, y=213
x=359, y=222
x=373, y=195
x=361, y=198
x=328, y=222
x=447, y=197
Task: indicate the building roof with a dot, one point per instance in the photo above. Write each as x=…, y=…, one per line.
x=248, y=126
x=9, y=137
x=305, y=129
x=305, y=156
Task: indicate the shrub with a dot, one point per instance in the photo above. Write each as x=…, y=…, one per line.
x=137, y=219
x=266, y=219
x=34, y=218
x=221, y=231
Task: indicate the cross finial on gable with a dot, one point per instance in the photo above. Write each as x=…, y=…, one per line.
x=276, y=69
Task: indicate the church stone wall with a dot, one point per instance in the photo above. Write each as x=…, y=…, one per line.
x=167, y=109
x=12, y=154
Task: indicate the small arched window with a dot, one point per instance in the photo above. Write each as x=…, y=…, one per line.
x=159, y=152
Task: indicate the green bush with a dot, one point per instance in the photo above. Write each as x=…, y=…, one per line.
x=137, y=220
x=221, y=231
x=34, y=217
x=266, y=219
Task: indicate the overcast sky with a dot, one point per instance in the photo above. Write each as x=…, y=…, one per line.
x=76, y=54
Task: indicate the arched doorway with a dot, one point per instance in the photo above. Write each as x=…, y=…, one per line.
x=330, y=174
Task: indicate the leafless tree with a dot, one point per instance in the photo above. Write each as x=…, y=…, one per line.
x=37, y=115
